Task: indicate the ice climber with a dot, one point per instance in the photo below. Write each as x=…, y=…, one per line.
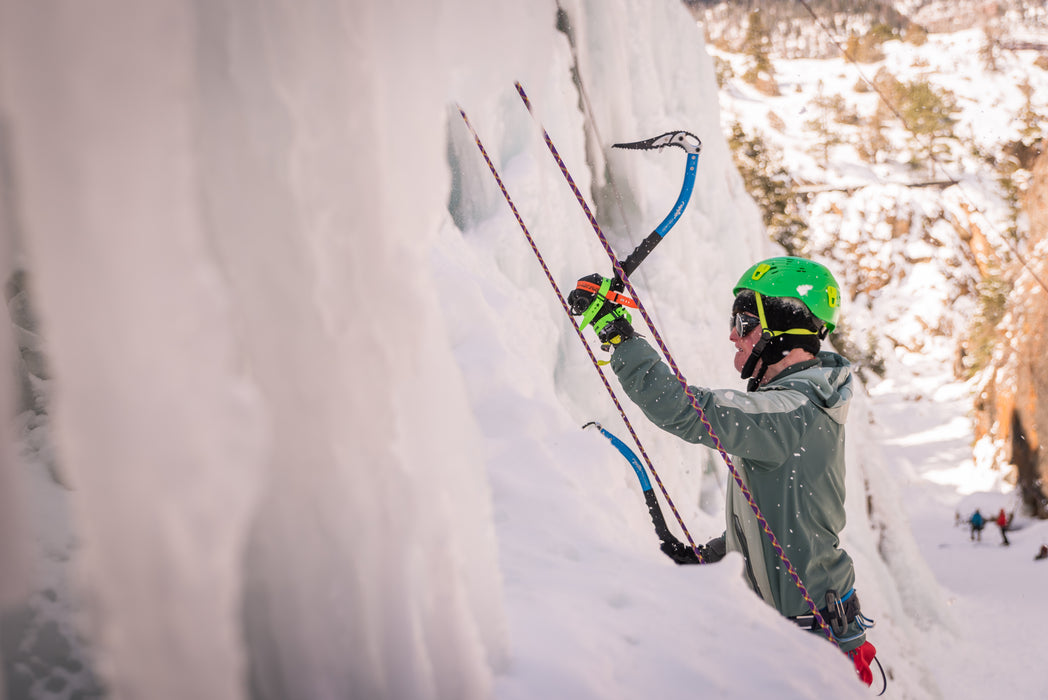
x=785, y=434
x=978, y=522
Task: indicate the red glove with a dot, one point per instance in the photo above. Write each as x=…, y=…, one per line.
x=862, y=656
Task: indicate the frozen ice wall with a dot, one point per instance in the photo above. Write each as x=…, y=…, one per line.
x=226, y=208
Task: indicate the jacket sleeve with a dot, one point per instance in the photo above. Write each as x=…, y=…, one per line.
x=764, y=427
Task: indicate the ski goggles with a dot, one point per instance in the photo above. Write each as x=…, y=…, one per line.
x=744, y=324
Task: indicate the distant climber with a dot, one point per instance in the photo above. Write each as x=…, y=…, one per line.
x=1042, y=553
x=1002, y=523
x=978, y=522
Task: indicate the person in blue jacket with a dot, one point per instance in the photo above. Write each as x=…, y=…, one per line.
x=978, y=522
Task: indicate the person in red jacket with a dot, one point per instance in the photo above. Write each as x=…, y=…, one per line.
x=1002, y=523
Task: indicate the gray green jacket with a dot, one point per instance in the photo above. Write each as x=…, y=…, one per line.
x=787, y=443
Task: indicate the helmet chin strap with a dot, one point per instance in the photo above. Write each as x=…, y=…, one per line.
x=751, y=362
x=758, y=350
x=767, y=335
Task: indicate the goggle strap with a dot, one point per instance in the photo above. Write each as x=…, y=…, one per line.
x=764, y=322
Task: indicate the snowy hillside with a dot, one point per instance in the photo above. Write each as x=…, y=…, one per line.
x=914, y=243
x=309, y=425
x=919, y=242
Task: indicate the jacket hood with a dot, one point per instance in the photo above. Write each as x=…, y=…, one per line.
x=826, y=380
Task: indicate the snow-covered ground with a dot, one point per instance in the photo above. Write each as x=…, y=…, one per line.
x=993, y=592
x=317, y=413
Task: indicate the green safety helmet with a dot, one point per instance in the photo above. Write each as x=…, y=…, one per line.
x=808, y=281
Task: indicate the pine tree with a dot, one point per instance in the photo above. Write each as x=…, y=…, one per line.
x=826, y=111
x=756, y=46
x=990, y=50
x=771, y=186
x=928, y=112
x=873, y=141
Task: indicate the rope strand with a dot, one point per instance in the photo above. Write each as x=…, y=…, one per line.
x=578, y=331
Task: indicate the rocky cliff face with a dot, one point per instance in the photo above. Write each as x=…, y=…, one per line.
x=1012, y=407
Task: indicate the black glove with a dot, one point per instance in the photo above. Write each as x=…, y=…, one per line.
x=714, y=550
x=681, y=553
x=610, y=320
x=582, y=295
